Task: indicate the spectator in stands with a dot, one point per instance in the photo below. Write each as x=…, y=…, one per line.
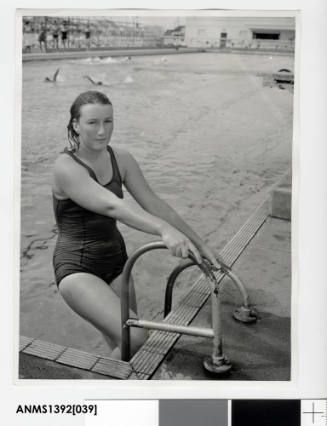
x=49, y=37
x=71, y=36
x=26, y=36
x=43, y=39
x=88, y=36
x=79, y=38
x=30, y=40
x=26, y=27
x=55, y=35
x=64, y=34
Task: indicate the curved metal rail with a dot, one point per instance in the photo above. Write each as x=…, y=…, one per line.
x=180, y=268
x=171, y=282
x=217, y=363
x=125, y=350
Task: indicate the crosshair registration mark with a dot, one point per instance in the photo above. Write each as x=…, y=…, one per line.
x=316, y=413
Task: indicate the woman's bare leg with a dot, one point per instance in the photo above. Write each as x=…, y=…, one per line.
x=116, y=286
x=92, y=298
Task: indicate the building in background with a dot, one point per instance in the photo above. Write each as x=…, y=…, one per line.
x=241, y=33
x=175, y=37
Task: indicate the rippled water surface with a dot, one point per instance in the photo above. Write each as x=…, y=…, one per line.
x=211, y=141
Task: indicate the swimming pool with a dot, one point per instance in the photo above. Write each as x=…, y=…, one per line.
x=209, y=137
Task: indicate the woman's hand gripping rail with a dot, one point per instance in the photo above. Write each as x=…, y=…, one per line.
x=208, y=269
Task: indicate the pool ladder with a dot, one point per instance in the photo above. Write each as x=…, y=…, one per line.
x=217, y=363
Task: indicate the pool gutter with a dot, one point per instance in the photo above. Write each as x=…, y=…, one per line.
x=83, y=54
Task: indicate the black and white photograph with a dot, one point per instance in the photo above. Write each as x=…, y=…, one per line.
x=156, y=195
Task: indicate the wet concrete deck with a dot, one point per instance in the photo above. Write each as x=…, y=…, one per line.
x=260, y=351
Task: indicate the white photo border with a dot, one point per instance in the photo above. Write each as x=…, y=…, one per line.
x=309, y=381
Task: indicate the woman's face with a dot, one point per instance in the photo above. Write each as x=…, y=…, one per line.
x=95, y=125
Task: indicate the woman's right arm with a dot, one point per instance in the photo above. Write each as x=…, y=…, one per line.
x=77, y=185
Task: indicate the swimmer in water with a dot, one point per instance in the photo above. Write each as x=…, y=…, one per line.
x=54, y=78
x=96, y=83
x=90, y=252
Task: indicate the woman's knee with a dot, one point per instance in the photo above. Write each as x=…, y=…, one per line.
x=66, y=288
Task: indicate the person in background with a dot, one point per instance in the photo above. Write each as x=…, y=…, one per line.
x=43, y=39
x=88, y=37
x=71, y=36
x=64, y=34
x=26, y=36
x=55, y=35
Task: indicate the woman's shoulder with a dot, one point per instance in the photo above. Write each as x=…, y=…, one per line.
x=118, y=151
x=67, y=172
x=63, y=155
x=64, y=162
x=125, y=160
x=62, y=165
x=122, y=155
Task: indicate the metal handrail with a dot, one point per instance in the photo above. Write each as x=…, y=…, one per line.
x=156, y=245
x=217, y=363
x=171, y=282
x=180, y=268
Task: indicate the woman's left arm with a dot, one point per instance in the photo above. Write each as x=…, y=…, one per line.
x=139, y=188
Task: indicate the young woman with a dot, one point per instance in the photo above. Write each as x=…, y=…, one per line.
x=88, y=200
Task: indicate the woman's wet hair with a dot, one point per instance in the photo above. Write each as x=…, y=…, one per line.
x=90, y=97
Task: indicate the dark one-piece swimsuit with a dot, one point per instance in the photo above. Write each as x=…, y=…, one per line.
x=87, y=241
